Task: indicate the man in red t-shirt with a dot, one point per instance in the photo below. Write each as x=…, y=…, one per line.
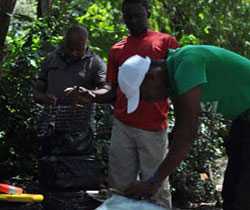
x=139, y=140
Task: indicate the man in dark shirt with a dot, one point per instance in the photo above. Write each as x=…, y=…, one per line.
x=64, y=129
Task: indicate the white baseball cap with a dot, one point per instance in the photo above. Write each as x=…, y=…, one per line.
x=130, y=77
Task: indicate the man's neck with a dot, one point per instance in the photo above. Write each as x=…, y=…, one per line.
x=139, y=34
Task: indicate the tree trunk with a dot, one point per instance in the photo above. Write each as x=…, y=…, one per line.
x=6, y=10
x=43, y=7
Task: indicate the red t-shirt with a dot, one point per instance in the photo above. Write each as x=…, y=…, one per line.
x=148, y=116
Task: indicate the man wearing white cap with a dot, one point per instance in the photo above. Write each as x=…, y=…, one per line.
x=191, y=75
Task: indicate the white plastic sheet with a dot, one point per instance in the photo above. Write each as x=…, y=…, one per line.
x=117, y=202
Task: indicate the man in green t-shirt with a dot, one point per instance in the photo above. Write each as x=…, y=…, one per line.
x=191, y=75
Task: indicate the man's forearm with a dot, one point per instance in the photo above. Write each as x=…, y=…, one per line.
x=182, y=142
x=104, y=95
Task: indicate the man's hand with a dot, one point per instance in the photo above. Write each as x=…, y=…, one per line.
x=142, y=190
x=86, y=96
x=73, y=93
x=80, y=95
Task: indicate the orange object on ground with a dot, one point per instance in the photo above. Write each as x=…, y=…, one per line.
x=9, y=189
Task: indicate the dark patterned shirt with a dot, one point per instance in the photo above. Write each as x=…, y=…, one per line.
x=60, y=72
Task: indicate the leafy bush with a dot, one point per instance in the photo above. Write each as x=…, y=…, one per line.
x=196, y=178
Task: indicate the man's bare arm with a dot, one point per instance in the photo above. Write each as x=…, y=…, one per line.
x=105, y=95
x=81, y=95
x=187, y=111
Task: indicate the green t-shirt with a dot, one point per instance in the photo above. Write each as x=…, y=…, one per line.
x=224, y=76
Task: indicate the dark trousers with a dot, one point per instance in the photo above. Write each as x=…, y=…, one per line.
x=236, y=186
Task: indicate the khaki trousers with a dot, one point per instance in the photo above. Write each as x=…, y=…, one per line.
x=136, y=154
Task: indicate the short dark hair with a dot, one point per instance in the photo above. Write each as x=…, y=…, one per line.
x=144, y=3
x=76, y=29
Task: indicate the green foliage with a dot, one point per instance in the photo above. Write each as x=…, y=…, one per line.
x=101, y=20
x=25, y=8
x=189, y=39
x=158, y=20
x=222, y=23
x=196, y=178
